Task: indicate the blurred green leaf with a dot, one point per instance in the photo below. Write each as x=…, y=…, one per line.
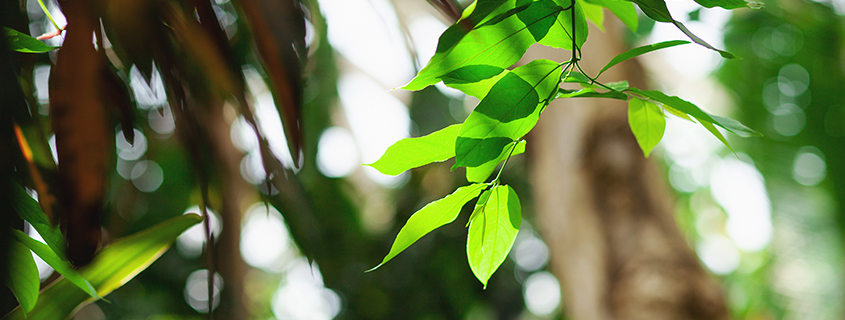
x=22, y=42
x=624, y=10
x=639, y=51
x=736, y=127
x=647, y=123
x=23, y=276
x=410, y=153
x=434, y=215
x=590, y=93
x=727, y=4
x=62, y=266
x=113, y=267
x=493, y=231
x=29, y=210
x=593, y=12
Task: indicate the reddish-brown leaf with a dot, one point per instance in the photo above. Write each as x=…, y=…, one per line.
x=82, y=134
x=278, y=28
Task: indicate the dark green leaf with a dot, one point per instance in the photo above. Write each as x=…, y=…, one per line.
x=639, y=51
x=727, y=4
x=507, y=113
x=498, y=44
x=647, y=123
x=675, y=102
x=736, y=127
x=482, y=172
x=493, y=231
x=111, y=268
x=23, y=276
x=696, y=39
x=432, y=216
x=655, y=9
x=29, y=210
x=60, y=265
x=22, y=42
x=410, y=153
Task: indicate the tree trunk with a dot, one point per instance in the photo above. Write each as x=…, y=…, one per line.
x=606, y=214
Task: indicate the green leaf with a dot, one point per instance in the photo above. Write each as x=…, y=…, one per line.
x=696, y=39
x=479, y=206
x=434, y=215
x=23, y=276
x=593, y=12
x=639, y=51
x=677, y=113
x=498, y=42
x=727, y=4
x=624, y=10
x=507, y=113
x=112, y=267
x=735, y=127
x=576, y=77
x=493, y=231
x=474, y=80
x=22, y=42
x=715, y=132
x=647, y=123
x=29, y=210
x=590, y=93
x=410, y=153
x=61, y=266
x=482, y=172
x=560, y=35
x=656, y=10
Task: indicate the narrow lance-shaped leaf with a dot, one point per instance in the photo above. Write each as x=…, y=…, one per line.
x=693, y=110
x=29, y=211
x=657, y=10
x=432, y=216
x=640, y=51
x=482, y=172
x=23, y=276
x=499, y=42
x=647, y=123
x=60, y=265
x=715, y=132
x=492, y=232
x=507, y=113
x=113, y=267
x=22, y=42
x=410, y=153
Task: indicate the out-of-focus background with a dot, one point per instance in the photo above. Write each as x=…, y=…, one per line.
x=765, y=220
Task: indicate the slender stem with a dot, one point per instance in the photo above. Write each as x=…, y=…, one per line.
x=496, y=181
x=49, y=16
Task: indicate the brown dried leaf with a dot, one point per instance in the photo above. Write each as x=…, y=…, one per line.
x=82, y=134
x=278, y=27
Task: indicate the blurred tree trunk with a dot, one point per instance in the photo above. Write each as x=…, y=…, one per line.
x=606, y=214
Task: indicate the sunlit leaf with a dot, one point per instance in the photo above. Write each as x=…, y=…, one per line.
x=474, y=80
x=498, y=42
x=590, y=93
x=432, y=216
x=647, y=123
x=493, y=231
x=593, y=12
x=561, y=34
x=410, y=153
x=507, y=113
x=479, y=206
x=482, y=172
x=715, y=132
x=113, y=267
x=22, y=42
x=624, y=10
x=60, y=265
x=30, y=211
x=23, y=276
x=639, y=51
x=736, y=127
